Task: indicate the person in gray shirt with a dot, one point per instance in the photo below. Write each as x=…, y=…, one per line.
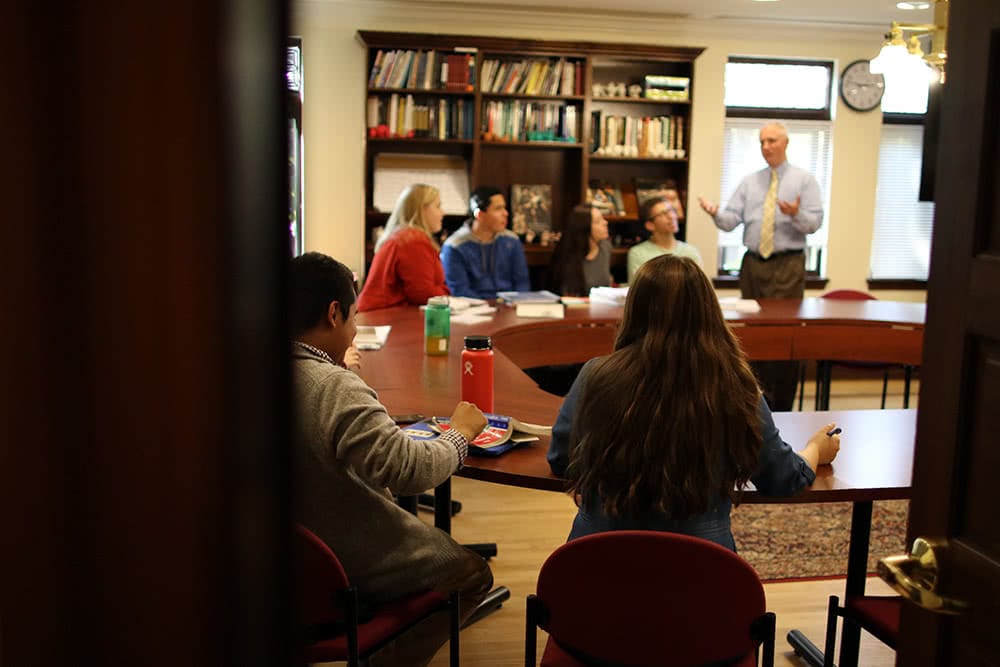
x=778, y=207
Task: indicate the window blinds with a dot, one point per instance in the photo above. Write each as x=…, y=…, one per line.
x=901, y=241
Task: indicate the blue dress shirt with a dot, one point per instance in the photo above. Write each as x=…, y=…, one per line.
x=746, y=207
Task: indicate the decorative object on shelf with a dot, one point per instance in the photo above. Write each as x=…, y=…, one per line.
x=531, y=211
x=635, y=90
x=613, y=89
x=908, y=56
x=607, y=199
x=859, y=88
x=667, y=88
x=646, y=188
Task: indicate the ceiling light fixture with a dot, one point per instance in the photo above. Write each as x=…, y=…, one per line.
x=899, y=55
x=913, y=5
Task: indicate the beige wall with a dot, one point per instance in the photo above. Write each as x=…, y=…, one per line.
x=336, y=72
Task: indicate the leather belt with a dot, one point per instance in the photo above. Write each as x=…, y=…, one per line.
x=780, y=253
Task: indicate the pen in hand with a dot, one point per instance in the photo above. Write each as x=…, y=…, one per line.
x=834, y=432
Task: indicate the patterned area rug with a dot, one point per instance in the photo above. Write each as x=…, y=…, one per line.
x=810, y=540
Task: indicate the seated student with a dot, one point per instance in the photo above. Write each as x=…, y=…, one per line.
x=350, y=458
x=406, y=268
x=660, y=219
x=483, y=257
x=663, y=433
x=582, y=258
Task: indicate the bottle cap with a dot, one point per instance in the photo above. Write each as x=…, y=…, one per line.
x=437, y=301
x=478, y=343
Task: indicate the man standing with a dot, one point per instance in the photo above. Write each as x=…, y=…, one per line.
x=350, y=458
x=777, y=206
x=483, y=257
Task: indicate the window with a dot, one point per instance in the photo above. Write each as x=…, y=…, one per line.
x=901, y=240
x=780, y=89
x=804, y=111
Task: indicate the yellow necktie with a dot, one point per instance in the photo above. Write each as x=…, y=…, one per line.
x=766, y=246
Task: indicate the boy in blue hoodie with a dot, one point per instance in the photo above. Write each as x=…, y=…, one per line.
x=483, y=257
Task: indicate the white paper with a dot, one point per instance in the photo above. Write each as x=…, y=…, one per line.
x=371, y=338
x=739, y=305
x=612, y=295
x=469, y=317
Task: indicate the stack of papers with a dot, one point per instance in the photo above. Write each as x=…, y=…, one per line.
x=739, y=305
x=371, y=338
x=614, y=296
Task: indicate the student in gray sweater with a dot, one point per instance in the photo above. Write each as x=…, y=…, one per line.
x=351, y=458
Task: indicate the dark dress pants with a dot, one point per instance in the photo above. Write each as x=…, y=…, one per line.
x=781, y=276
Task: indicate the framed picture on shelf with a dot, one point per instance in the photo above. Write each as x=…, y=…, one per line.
x=606, y=198
x=531, y=209
x=646, y=188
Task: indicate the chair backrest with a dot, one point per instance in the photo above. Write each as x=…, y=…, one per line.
x=848, y=295
x=650, y=598
x=321, y=580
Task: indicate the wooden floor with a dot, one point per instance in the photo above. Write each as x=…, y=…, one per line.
x=528, y=525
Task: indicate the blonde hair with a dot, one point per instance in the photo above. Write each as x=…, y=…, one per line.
x=409, y=212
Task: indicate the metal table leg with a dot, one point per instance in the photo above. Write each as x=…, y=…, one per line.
x=857, y=570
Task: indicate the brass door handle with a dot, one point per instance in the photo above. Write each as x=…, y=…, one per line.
x=916, y=575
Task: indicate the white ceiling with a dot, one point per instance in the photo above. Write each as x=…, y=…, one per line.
x=842, y=12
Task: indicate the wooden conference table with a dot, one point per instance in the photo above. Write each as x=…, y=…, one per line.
x=874, y=464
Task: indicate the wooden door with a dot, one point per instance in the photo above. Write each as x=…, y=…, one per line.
x=955, y=495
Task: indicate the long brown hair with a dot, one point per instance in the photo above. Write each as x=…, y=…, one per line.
x=409, y=212
x=566, y=268
x=668, y=421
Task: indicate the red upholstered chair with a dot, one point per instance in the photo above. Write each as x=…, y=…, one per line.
x=645, y=598
x=336, y=629
x=878, y=615
x=855, y=295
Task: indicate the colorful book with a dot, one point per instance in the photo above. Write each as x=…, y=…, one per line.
x=539, y=296
x=500, y=435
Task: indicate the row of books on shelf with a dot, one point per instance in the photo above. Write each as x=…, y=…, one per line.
x=631, y=136
x=517, y=120
x=538, y=76
x=399, y=116
x=423, y=70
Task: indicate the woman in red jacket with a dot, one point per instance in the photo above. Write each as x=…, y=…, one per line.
x=407, y=268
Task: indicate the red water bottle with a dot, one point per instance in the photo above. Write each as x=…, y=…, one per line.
x=477, y=372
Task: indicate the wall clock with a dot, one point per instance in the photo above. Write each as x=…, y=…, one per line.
x=859, y=88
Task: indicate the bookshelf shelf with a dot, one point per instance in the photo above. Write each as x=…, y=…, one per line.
x=571, y=172
x=419, y=140
x=530, y=144
x=437, y=92
x=639, y=100
x=512, y=96
x=614, y=158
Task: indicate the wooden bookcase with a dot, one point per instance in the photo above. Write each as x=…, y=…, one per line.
x=568, y=164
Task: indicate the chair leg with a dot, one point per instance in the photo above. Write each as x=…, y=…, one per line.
x=818, y=401
x=831, y=631
x=907, y=376
x=350, y=602
x=455, y=606
x=767, y=659
x=530, y=621
x=885, y=386
x=802, y=383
